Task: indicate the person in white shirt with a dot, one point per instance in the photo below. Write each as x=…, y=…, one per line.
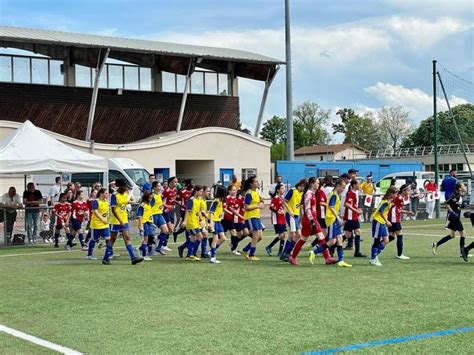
x=10, y=202
x=54, y=191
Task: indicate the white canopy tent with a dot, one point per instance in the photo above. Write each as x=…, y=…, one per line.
x=29, y=150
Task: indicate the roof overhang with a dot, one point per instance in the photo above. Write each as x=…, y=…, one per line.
x=86, y=50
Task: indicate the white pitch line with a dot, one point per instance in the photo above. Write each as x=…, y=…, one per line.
x=38, y=341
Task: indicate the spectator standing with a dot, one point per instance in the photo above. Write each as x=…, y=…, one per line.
x=32, y=199
x=147, y=185
x=414, y=199
x=45, y=228
x=273, y=186
x=430, y=188
x=368, y=188
x=448, y=184
x=54, y=191
x=10, y=202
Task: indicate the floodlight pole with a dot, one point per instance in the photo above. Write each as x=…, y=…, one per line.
x=185, y=94
x=268, y=82
x=435, y=136
x=289, y=98
x=95, y=92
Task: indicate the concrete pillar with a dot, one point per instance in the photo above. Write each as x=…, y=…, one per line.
x=69, y=73
x=232, y=83
x=156, y=80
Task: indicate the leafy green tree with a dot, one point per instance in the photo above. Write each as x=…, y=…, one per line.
x=359, y=130
x=309, y=123
x=396, y=124
x=423, y=135
x=274, y=130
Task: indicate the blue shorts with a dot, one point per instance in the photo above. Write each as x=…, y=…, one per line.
x=118, y=228
x=75, y=224
x=379, y=230
x=293, y=223
x=322, y=223
x=169, y=217
x=148, y=229
x=158, y=220
x=396, y=227
x=350, y=226
x=334, y=230
x=194, y=231
x=253, y=224
x=279, y=228
x=218, y=228
x=227, y=225
x=100, y=233
x=239, y=227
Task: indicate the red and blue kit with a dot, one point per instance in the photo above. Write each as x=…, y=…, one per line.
x=79, y=208
x=395, y=215
x=309, y=222
x=62, y=211
x=169, y=199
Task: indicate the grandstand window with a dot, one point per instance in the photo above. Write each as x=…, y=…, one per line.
x=210, y=83
x=39, y=68
x=115, y=76
x=180, y=82
x=197, y=82
x=145, y=79
x=131, y=78
x=21, y=70
x=460, y=167
x=5, y=68
x=83, y=76
x=55, y=75
x=222, y=84
x=168, y=81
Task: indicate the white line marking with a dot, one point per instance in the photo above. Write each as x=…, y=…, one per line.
x=38, y=341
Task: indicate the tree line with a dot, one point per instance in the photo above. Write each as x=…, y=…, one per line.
x=387, y=128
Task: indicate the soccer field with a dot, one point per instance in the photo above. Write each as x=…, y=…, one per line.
x=171, y=306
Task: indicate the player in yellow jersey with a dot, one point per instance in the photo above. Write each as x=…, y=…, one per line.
x=217, y=214
x=193, y=225
x=205, y=223
x=158, y=218
x=334, y=222
x=380, y=223
x=292, y=203
x=99, y=221
x=145, y=222
x=253, y=204
x=119, y=202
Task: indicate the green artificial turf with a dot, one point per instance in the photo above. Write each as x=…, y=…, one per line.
x=171, y=306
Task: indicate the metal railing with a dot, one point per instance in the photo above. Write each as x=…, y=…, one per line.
x=443, y=149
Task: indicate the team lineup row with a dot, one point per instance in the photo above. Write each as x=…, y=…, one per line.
x=308, y=209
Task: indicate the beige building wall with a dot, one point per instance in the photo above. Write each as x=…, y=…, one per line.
x=226, y=148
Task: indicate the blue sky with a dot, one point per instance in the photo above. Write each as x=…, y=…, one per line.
x=359, y=54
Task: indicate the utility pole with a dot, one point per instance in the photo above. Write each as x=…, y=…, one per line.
x=435, y=136
x=289, y=96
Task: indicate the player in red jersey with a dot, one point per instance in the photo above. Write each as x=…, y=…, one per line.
x=351, y=217
x=80, y=210
x=278, y=211
x=183, y=196
x=321, y=205
x=310, y=225
x=62, y=212
x=232, y=216
x=239, y=221
x=395, y=217
x=169, y=196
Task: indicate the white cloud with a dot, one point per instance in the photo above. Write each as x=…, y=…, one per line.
x=420, y=34
x=435, y=7
x=416, y=101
